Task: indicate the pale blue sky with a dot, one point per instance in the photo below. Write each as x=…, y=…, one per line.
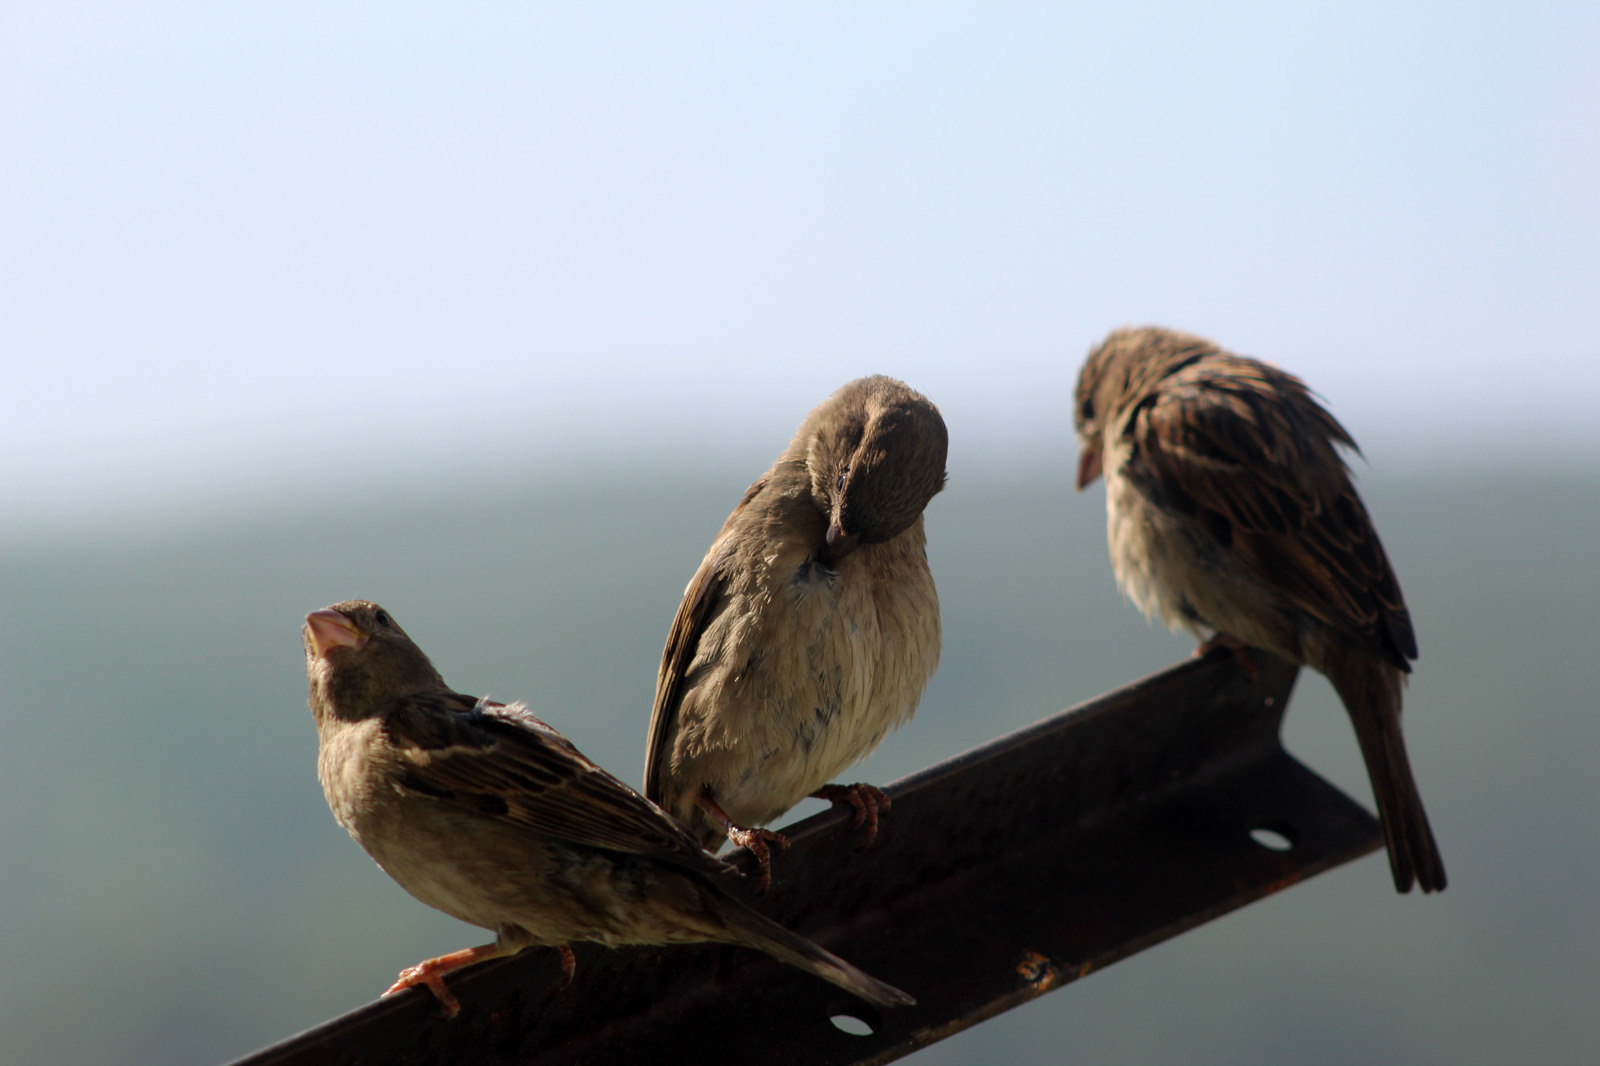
x=254, y=249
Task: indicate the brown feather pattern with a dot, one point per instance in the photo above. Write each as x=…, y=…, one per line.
x=460, y=749
x=789, y=659
x=1245, y=447
x=483, y=811
x=1230, y=510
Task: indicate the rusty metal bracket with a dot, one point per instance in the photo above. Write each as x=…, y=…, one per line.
x=1000, y=874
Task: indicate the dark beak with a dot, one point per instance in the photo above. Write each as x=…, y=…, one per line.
x=1088, y=466
x=839, y=544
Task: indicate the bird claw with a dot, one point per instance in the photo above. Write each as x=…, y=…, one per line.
x=429, y=976
x=1238, y=648
x=756, y=840
x=868, y=801
x=569, y=964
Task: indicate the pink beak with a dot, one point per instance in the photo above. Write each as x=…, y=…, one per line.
x=330, y=629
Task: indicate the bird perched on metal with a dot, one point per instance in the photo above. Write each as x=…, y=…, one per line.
x=1231, y=514
x=486, y=813
x=811, y=627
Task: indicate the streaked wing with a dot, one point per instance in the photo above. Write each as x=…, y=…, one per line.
x=502, y=762
x=699, y=605
x=1245, y=449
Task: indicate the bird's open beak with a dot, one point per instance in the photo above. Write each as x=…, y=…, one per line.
x=330, y=629
x=840, y=544
x=1088, y=466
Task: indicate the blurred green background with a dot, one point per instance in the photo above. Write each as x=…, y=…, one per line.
x=174, y=891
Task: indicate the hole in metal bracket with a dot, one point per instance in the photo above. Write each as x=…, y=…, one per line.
x=849, y=1023
x=1275, y=836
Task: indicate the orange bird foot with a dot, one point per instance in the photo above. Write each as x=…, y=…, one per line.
x=569, y=964
x=756, y=840
x=868, y=801
x=432, y=972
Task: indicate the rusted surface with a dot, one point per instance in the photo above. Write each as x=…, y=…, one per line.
x=1006, y=872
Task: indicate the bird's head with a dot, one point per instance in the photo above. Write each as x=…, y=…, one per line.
x=1125, y=367
x=358, y=658
x=875, y=452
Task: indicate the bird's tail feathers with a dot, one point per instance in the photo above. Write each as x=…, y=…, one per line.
x=1371, y=691
x=747, y=927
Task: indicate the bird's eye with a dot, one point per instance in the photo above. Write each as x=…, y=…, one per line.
x=382, y=618
x=1086, y=412
x=840, y=483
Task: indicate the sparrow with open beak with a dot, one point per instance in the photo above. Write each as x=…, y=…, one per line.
x=1232, y=514
x=811, y=627
x=486, y=813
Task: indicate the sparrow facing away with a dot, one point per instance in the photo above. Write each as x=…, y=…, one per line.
x=1232, y=514
x=486, y=813
x=811, y=627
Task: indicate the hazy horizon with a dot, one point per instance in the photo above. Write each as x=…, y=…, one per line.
x=182, y=501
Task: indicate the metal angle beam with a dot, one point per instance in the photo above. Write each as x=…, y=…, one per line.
x=999, y=875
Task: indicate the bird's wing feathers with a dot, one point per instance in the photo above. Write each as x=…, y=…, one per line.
x=1245, y=449
x=502, y=762
x=700, y=603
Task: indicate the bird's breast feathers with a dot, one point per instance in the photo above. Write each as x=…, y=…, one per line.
x=789, y=692
x=1175, y=571
x=351, y=770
